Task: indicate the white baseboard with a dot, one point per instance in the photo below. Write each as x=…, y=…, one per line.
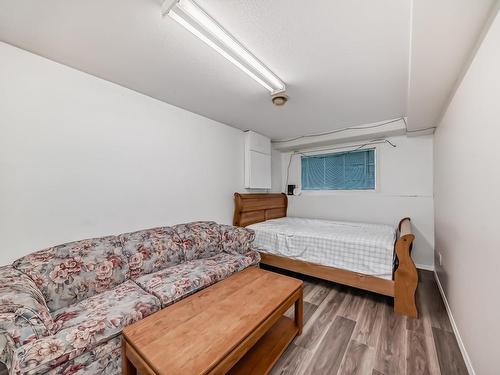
x=461, y=345
x=425, y=267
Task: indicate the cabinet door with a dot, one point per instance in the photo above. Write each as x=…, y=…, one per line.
x=259, y=143
x=259, y=171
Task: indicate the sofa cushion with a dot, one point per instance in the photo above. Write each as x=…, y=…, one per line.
x=84, y=326
x=72, y=272
x=151, y=250
x=104, y=359
x=118, y=307
x=200, y=239
x=236, y=240
x=174, y=283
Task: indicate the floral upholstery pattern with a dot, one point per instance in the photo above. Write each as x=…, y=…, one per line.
x=236, y=240
x=104, y=359
x=62, y=309
x=20, y=295
x=24, y=316
x=72, y=272
x=119, y=306
x=200, y=239
x=175, y=283
x=84, y=326
x=152, y=250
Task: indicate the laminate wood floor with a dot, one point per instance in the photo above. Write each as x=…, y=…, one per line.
x=348, y=331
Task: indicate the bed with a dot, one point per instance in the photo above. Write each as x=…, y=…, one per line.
x=372, y=257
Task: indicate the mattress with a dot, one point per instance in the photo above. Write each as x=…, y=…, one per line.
x=357, y=247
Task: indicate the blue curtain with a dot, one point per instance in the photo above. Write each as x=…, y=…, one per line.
x=353, y=170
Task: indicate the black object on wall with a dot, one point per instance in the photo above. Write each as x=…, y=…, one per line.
x=291, y=188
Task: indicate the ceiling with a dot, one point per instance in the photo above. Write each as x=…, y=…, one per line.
x=345, y=62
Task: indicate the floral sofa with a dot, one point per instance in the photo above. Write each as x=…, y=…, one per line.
x=62, y=309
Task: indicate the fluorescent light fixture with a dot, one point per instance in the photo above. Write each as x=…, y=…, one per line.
x=188, y=14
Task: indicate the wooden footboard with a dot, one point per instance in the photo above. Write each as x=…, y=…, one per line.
x=405, y=276
x=255, y=208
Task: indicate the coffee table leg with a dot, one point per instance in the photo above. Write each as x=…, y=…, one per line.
x=299, y=303
x=127, y=366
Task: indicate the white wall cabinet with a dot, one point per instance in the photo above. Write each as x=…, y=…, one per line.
x=257, y=161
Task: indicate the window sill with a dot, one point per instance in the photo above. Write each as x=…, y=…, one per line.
x=338, y=192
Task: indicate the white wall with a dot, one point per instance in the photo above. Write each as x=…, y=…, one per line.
x=467, y=205
x=442, y=44
x=404, y=188
x=82, y=157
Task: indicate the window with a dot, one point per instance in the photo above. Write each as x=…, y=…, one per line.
x=354, y=170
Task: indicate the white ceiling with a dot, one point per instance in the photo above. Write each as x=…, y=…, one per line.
x=445, y=35
x=345, y=62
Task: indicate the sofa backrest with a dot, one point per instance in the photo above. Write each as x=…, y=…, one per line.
x=71, y=272
x=200, y=239
x=151, y=250
x=68, y=273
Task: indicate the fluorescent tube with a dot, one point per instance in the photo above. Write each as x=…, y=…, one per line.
x=188, y=14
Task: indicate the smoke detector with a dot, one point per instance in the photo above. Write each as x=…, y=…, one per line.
x=279, y=99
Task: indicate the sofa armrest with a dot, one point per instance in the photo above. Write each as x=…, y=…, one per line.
x=17, y=329
x=236, y=240
x=7, y=343
x=24, y=315
x=254, y=255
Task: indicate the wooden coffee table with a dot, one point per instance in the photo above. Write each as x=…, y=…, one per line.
x=235, y=326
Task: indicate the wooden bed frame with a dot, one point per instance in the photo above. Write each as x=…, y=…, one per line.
x=255, y=208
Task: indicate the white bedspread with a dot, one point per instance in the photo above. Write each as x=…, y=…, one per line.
x=358, y=247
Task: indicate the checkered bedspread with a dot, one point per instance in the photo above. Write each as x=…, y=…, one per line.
x=358, y=247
